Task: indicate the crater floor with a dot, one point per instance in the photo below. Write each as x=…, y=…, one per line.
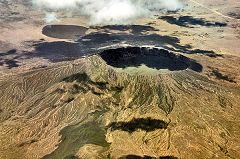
x=153, y=58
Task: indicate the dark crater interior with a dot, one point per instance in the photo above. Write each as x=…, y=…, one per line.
x=64, y=31
x=151, y=57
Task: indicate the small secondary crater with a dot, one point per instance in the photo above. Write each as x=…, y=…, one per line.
x=64, y=31
x=154, y=58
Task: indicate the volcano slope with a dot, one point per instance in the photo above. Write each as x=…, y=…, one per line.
x=100, y=108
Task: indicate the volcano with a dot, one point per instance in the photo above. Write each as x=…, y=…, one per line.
x=89, y=108
x=142, y=84
x=156, y=58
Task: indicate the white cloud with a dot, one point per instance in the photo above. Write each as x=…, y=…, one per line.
x=51, y=17
x=110, y=11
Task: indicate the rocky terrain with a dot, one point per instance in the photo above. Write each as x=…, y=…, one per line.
x=165, y=88
x=89, y=109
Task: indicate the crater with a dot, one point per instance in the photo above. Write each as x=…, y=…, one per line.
x=64, y=31
x=130, y=58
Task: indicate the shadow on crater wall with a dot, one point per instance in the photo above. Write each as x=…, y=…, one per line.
x=146, y=124
x=151, y=57
x=189, y=21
